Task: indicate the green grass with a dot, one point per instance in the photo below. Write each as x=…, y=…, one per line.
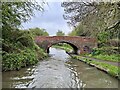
x=110, y=69
x=113, y=57
x=64, y=47
x=105, y=53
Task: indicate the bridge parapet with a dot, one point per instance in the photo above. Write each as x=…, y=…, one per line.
x=78, y=43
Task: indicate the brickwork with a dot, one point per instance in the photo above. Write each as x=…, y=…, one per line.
x=78, y=43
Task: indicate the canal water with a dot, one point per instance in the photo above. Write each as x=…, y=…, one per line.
x=58, y=71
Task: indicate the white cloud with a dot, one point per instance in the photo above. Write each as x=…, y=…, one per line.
x=51, y=20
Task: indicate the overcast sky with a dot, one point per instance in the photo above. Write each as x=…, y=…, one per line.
x=51, y=19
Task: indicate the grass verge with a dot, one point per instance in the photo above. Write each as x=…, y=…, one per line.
x=66, y=48
x=113, y=57
x=110, y=69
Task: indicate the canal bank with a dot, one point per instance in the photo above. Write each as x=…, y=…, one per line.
x=109, y=67
x=100, y=65
x=58, y=71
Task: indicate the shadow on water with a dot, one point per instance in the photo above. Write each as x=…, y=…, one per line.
x=58, y=71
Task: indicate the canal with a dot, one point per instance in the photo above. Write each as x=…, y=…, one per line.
x=58, y=71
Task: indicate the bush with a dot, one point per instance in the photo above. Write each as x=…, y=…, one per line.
x=97, y=51
x=103, y=37
x=20, y=51
x=113, y=42
x=26, y=40
x=13, y=61
x=104, y=51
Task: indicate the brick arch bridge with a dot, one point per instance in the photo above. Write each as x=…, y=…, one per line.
x=79, y=44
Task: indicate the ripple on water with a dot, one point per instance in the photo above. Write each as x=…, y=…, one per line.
x=58, y=71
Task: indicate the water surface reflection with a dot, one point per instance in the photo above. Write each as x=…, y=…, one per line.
x=58, y=71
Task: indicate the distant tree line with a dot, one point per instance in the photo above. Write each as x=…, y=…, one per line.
x=60, y=33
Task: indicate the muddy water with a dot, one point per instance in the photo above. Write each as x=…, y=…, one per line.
x=58, y=71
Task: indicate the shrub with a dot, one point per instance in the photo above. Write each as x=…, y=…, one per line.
x=13, y=61
x=21, y=51
x=26, y=40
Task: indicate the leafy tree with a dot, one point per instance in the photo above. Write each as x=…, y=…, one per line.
x=18, y=46
x=72, y=33
x=76, y=11
x=38, y=32
x=93, y=18
x=14, y=13
x=103, y=37
x=60, y=33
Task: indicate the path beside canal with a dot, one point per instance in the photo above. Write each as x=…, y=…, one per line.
x=104, y=61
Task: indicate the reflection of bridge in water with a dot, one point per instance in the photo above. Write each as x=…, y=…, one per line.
x=79, y=44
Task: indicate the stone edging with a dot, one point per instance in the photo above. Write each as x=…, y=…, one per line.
x=97, y=66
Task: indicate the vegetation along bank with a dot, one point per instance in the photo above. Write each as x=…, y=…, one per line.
x=101, y=21
x=103, y=62
x=18, y=48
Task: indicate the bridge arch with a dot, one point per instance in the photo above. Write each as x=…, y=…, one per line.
x=80, y=45
x=75, y=48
